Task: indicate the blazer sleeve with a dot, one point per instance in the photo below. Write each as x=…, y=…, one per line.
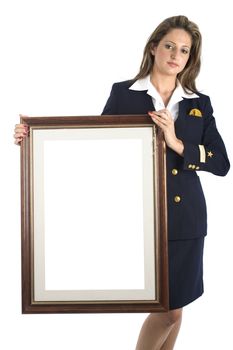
x=211, y=154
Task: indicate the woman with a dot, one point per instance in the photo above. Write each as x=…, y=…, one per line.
x=165, y=89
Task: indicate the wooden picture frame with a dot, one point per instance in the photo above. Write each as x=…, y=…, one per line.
x=94, y=215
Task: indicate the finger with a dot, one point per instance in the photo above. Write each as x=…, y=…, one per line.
x=21, y=132
x=159, y=122
x=160, y=114
x=160, y=125
x=18, y=141
x=164, y=113
x=21, y=129
x=21, y=125
x=159, y=119
x=154, y=115
x=18, y=135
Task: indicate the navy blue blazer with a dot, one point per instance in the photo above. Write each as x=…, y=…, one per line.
x=195, y=125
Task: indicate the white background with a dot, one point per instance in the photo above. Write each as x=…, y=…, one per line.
x=60, y=57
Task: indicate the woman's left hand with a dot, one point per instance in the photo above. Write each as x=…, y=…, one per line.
x=164, y=120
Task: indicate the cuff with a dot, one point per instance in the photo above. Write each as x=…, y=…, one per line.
x=194, y=156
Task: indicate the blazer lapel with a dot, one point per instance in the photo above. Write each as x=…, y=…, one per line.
x=149, y=103
x=143, y=101
x=180, y=121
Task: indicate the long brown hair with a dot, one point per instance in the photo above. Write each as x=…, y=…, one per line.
x=190, y=72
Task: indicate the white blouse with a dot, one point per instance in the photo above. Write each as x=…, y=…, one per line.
x=173, y=104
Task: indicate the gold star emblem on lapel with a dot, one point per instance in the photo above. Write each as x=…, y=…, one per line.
x=210, y=154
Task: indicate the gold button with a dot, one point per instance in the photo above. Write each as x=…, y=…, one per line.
x=177, y=199
x=197, y=167
x=190, y=166
x=193, y=167
x=174, y=171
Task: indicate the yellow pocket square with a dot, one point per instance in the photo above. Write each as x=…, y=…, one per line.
x=195, y=112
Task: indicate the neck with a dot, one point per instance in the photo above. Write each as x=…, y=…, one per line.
x=164, y=84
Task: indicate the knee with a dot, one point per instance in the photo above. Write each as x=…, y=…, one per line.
x=174, y=317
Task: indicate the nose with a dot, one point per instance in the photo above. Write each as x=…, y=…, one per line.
x=173, y=53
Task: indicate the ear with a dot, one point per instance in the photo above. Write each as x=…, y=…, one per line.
x=153, y=49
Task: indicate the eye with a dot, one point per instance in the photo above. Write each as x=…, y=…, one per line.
x=185, y=51
x=168, y=46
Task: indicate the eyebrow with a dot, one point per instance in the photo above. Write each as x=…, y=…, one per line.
x=170, y=41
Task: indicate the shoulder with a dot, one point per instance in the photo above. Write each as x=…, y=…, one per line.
x=204, y=102
x=199, y=104
x=201, y=100
x=203, y=97
x=123, y=85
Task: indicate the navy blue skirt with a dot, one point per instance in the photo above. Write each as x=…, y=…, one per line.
x=185, y=271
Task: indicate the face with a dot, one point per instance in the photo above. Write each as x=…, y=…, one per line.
x=172, y=52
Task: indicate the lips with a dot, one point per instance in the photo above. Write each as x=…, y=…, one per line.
x=172, y=64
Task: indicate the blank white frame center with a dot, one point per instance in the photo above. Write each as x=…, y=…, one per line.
x=93, y=211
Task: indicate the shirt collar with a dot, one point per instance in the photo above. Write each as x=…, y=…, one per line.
x=145, y=84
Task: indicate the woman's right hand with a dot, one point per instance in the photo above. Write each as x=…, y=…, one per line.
x=21, y=131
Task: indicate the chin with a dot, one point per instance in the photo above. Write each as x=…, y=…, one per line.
x=172, y=74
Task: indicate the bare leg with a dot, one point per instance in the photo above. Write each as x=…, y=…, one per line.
x=159, y=331
x=171, y=339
